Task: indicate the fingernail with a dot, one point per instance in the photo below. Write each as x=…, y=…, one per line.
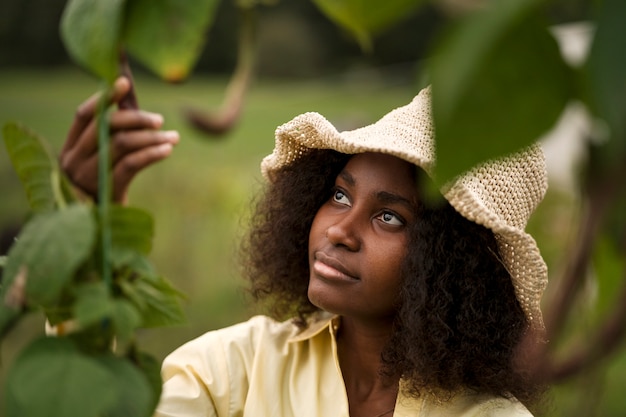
x=171, y=136
x=156, y=118
x=164, y=149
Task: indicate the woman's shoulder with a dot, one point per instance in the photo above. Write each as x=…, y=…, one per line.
x=257, y=331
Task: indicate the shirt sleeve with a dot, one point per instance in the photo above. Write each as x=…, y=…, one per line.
x=201, y=379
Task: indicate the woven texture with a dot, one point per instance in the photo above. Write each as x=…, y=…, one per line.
x=500, y=195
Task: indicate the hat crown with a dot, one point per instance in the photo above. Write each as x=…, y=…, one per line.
x=499, y=194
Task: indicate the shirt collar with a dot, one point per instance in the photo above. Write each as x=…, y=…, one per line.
x=318, y=322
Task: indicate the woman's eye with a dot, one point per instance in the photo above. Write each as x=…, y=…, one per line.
x=390, y=218
x=340, y=197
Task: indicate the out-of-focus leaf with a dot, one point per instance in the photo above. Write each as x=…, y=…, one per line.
x=48, y=251
x=498, y=83
x=151, y=368
x=607, y=66
x=364, y=18
x=609, y=268
x=136, y=396
x=157, y=300
x=126, y=319
x=167, y=36
x=93, y=303
x=35, y=166
x=52, y=378
x=250, y=4
x=131, y=228
x=91, y=32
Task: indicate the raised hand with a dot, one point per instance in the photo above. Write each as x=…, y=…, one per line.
x=136, y=142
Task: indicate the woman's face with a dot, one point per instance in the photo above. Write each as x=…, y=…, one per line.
x=358, y=237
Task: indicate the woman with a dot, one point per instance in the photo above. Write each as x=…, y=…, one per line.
x=403, y=306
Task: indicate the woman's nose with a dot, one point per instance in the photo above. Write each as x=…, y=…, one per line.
x=344, y=233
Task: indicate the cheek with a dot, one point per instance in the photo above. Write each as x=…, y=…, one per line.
x=390, y=262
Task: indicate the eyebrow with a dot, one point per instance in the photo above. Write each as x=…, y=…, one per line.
x=382, y=196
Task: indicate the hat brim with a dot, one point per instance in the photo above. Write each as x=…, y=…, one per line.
x=408, y=134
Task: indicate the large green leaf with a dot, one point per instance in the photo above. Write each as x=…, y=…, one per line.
x=35, y=167
x=131, y=228
x=151, y=368
x=364, y=18
x=91, y=32
x=49, y=250
x=136, y=396
x=498, y=83
x=167, y=36
x=93, y=303
x=607, y=65
x=52, y=378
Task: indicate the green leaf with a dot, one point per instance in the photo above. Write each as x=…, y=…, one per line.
x=136, y=396
x=364, y=18
x=91, y=32
x=157, y=300
x=609, y=268
x=498, y=82
x=126, y=319
x=131, y=228
x=52, y=378
x=49, y=250
x=35, y=166
x=93, y=303
x=607, y=66
x=167, y=36
x=151, y=368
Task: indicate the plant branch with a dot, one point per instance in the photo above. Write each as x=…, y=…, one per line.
x=601, y=193
x=129, y=101
x=599, y=196
x=606, y=341
x=225, y=119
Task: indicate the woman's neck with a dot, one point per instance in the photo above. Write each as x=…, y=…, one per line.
x=359, y=347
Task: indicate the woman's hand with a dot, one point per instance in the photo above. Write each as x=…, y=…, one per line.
x=136, y=142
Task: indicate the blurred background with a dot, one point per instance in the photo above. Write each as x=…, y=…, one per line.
x=200, y=195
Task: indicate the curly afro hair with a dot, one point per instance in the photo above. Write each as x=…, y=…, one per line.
x=459, y=323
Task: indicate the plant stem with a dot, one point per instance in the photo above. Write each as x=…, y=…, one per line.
x=104, y=187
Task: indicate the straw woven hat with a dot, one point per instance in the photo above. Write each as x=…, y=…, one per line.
x=499, y=194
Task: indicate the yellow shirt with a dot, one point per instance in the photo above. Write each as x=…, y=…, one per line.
x=263, y=368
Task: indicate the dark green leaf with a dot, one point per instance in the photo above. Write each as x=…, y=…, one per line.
x=126, y=319
x=364, y=18
x=49, y=250
x=499, y=82
x=167, y=36
x=131, y=228
x=151, y=368
x=136, y=396
x=93, y=304
x=35, y=166
x=607, y=67
x=91, y=32
x=610, y=269
x=52, y=378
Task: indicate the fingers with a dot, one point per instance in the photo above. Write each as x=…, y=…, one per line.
x=87, y=142
x=127, y=167
x=129, y=141
x=139, y=152
x=86, y=111
x=135, y=137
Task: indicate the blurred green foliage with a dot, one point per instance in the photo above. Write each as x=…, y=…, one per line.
x=200, y=195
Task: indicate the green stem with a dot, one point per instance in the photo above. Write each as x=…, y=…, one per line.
x=104, y=187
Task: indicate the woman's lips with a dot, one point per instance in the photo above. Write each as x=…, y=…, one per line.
x=331, y=268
